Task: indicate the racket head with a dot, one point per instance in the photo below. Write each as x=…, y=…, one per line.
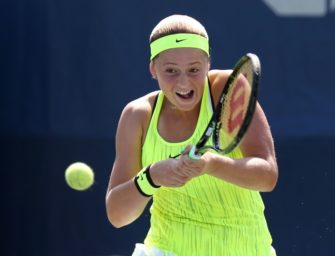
x=237, y=104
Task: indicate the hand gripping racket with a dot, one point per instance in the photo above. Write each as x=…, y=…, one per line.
x=234, y=111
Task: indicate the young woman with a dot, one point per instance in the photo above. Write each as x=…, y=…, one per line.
x=209, y=206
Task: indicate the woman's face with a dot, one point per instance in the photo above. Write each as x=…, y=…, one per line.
x=181, y=74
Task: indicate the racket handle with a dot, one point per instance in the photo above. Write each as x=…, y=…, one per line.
x=193, y=154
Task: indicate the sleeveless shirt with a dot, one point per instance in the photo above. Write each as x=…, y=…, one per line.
x=207, y=216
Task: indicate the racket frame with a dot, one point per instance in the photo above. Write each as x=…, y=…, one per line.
x=213, y=127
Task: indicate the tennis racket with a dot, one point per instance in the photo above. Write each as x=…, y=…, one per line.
x=234, y=111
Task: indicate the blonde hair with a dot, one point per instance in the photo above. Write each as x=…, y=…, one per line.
x=177, y=24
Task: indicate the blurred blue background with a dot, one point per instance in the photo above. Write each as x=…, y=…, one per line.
x=69, y=67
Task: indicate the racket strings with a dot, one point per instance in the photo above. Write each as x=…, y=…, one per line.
x=234, y=110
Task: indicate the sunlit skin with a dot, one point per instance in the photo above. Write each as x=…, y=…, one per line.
x=181, y=74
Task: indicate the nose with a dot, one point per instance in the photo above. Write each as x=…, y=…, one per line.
x=183, y=80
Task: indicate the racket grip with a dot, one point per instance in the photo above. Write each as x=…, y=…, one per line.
x=193, y=155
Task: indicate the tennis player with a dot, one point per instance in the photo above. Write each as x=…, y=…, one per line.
x=210, y=206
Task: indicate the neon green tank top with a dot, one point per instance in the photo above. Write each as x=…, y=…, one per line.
x=207, y=216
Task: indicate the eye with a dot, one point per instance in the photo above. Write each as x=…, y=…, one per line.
x=194, y=70
x=171, y=71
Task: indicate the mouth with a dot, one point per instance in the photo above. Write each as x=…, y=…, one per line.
x=185, y=95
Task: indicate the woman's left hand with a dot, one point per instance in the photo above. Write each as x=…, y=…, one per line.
x=192, y=167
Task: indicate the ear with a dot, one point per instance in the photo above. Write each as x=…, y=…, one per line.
x=152, y=70
x=209, y=64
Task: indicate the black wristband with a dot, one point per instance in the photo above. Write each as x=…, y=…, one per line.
x=144, y=183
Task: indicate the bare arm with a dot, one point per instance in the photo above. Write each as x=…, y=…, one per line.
x=257, y=170
x=124, y=203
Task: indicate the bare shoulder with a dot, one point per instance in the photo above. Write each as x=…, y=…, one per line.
x=140, y=108
x=129, y=136
x=136, y=115
x=218, y=79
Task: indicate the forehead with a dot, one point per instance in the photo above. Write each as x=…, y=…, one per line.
x=182, y=55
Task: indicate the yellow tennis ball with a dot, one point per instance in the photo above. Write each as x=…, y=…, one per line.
x=79, y=176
